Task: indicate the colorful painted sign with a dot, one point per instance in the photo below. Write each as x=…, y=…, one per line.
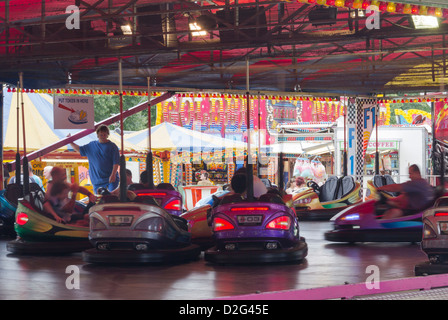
x=441, y=121
x=369, y=113
x=73, y=112
x=413, y=116
x=225, y=116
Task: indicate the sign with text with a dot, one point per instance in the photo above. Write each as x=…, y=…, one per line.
x=73, y=112
x=351, y=149
x=369, y=113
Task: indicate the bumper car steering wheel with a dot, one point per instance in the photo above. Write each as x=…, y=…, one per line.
x=312, y=184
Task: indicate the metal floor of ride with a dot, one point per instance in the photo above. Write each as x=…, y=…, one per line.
x=327, y=264
x=433, y=294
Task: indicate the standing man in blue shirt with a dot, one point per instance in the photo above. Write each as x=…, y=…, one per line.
x=104, y=160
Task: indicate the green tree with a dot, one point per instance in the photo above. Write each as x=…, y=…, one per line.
x=106, y=106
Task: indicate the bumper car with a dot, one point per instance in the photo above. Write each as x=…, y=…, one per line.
x=376, y=182
x=262, y=230
x=7, y=214
x=363, y=223
x=201, y=232
x=165, y=195
x=435, y=239
x=323, y=202
x=9, y=198
x=209, y=200
x=38, y=233
x=137, y=231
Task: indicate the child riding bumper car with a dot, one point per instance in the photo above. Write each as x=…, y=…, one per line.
x=38, y=232
x=323, y=202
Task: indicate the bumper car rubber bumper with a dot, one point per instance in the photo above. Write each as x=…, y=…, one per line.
x=374, y=235
x=317, y=214
x=20, y=246
x=173, y=255
x=295, y=253
x=427, y=268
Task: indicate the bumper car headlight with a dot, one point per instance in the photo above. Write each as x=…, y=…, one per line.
x=428, y=232
x=154, y=224
x=351, y=217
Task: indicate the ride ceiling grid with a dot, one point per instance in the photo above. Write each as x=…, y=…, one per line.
x=332, y=49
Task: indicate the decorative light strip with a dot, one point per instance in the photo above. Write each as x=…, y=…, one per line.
x=223, y=95
x=384, y=6
x=412, y=100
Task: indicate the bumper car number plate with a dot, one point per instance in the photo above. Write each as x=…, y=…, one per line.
x=443, y=227
x=120, y=220
x=249, y=220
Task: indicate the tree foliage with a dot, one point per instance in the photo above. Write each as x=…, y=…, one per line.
x=107, y=106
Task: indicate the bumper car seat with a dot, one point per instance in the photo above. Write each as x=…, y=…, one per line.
x=384, y=180
x=345, y=186
x=328, y=189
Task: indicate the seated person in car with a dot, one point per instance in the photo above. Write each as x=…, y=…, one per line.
x=416, y=194
x=58, y=203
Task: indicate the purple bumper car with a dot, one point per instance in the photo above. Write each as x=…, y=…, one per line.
x=264, y=230
x=363, y=223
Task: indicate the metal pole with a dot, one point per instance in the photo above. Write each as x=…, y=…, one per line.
x=249, y=168
x=345, y=170
x=149, y=164
x=26, y=173
x=18, y=167
x=377, y=154
x=123, y=187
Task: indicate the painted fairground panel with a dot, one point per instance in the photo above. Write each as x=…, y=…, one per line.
x=441, y=136
x=224, y=115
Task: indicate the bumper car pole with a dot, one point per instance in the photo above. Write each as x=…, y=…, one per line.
x=377, y=154
x=123, y=192
x=26, y=173
x=249, y=167
x=345, y=168
x=149, y=164
x=18, y=168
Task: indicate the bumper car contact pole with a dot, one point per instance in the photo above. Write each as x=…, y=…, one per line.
x=149, y=165
x=345, y=168
x=259, y=138
x=377, y=154
x=26, y=174
x=249, y=167
x=123, y=192
x=18, y=168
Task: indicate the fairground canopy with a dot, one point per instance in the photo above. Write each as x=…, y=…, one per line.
x=303, y=46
